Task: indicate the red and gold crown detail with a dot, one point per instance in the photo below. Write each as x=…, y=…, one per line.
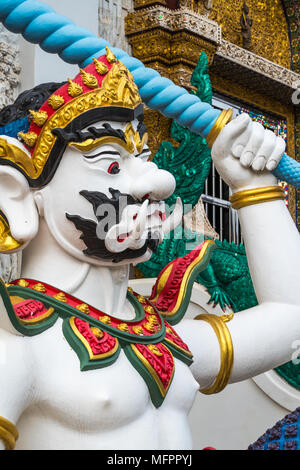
x=104, y=82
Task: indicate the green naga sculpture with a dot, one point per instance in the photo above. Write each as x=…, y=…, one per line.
x=227, y=277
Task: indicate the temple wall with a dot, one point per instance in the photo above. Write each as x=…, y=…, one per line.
x=9, y=67
x=112, y=15
x=270, y=35
x=9, y=82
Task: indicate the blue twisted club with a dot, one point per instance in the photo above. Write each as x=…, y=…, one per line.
x=40, y=24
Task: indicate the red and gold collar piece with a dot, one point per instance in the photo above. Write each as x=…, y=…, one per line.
x=149, y=341
x=97, y=338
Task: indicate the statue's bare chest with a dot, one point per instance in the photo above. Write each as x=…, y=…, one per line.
x=101, y=399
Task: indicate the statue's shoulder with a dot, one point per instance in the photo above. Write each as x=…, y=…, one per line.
x=23, y=310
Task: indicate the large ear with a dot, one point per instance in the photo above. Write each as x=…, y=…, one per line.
x=21, y=220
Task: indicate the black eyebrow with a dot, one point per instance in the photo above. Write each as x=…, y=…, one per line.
x=141, y=128
x=92, y=133
x=144, y=151
x=105, y=152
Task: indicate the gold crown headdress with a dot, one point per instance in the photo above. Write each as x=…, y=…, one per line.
x=104, y=82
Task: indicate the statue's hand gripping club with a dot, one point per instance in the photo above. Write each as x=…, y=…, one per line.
x=39, y=23
x=244, y=153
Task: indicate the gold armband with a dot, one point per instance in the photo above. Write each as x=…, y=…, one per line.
x=8, y=433
x=226, y=350
x=223, y=119
x=256, y=196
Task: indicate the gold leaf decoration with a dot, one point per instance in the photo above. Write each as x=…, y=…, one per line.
x=152, y=319
x=105, y=319
x=149, y=327
x=39, y=287
x=74, y=89
x=56, y=101
x=83, y=308
x=39, y=117
x=23, y=283
x=29, y=138
x=88, y=79
x=7, y=242
x=61, y=297
x=123, y=327
x=110, y=56
x=97, y=332
x=18, y=156
x=154, y=349
x=101, y=68
x=149, y=309
x=138, y=330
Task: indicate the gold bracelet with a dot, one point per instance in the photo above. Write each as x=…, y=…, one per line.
x=226, y=350
x=8, y=433
x=223, y=119
x=256, y=196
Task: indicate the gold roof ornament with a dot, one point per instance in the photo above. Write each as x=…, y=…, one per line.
x=88, y=79
x=101, y=68
x=111, y=58
x=39, y=117
x=29, y=138
x=74, y=89
x=56, y=101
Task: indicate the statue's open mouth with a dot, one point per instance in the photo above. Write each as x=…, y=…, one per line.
x=138, y=222
x=126, y=227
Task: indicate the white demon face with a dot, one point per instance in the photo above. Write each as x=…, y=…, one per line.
x=105, y=204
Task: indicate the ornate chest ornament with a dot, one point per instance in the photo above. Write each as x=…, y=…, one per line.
x=148, y=341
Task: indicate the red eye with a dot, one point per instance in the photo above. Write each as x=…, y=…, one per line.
x=113, y=168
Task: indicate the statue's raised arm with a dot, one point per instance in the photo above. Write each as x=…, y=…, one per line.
x=262, y=337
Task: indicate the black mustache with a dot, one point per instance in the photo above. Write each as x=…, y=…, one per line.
x=95, y=246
